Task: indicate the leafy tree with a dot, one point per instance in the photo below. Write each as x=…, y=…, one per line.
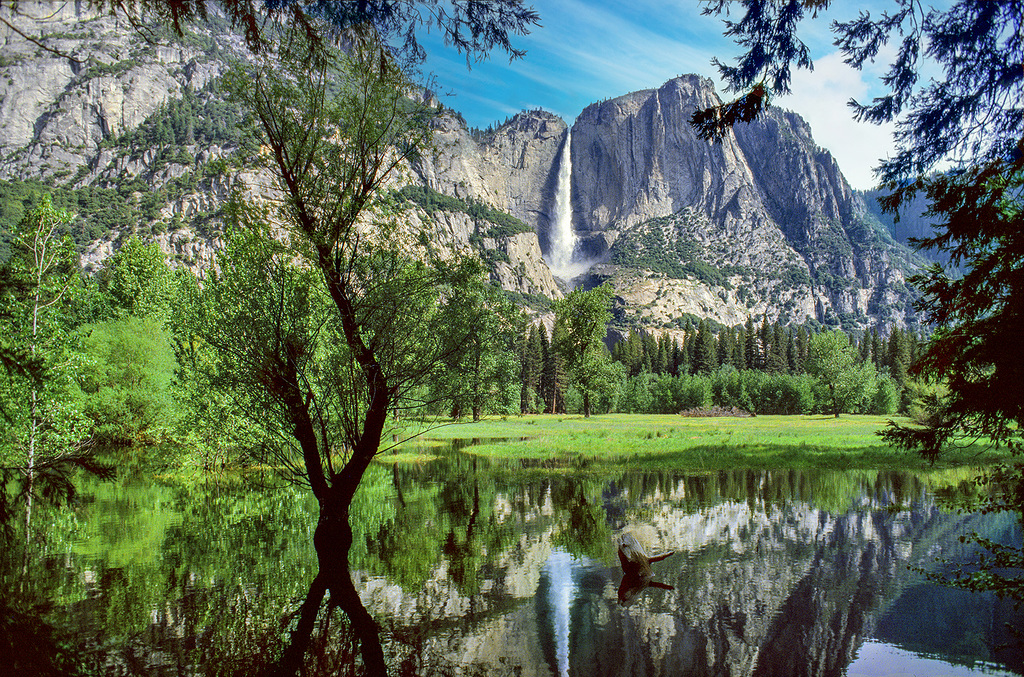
x=833, y=361
x=331, y=328
x=138, y=280
x=886, y=400
x=483, y=372
x=581, y=323
x=127, y=378
x=44, y=434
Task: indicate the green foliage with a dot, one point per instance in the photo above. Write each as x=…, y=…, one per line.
x=480, y=377
x=42, y=431
x=99, y=69
x=499, y=223
x=648, y=248
x=258, y=311
x=979, y=316
x=581, y=323
x=126, y=379
x=832, y=360
x=198, y=119
x=138, y=280
x=99, y=210
x=887, y=398
x=782, y=394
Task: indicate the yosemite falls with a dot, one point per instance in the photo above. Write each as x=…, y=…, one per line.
x=562, y=238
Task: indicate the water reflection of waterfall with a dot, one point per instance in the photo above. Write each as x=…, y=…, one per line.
x=562, y=239
x=560, y=596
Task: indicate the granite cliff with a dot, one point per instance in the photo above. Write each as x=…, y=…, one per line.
x=136, y=137
x=761, y=223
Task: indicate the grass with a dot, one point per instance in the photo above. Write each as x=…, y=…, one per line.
x=645, y=441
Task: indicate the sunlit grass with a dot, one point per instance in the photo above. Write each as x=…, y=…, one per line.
x=667, y=441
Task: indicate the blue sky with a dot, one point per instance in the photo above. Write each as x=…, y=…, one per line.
x=589, y=50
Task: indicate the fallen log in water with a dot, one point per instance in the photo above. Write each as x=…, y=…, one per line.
x=636, y=565
x=634, y=559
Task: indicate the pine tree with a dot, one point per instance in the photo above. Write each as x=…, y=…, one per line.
x=776, y=362
x=898, y=355
x=679, y=365
x=704, y=361
x=548, y=371
x=864, y=347
x=792, y=356
x=750, y=348
x=724, y=348
x=764, y=343
x=739, y=355
x=877, y=354
x=802, y=345
x=533, y=369
x=661, y=365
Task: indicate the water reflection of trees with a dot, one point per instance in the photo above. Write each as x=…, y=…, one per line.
x=847, y=533
x=453, y=558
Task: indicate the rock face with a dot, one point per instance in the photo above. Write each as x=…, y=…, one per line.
x=766, y=202
x=760, y=223
x=513, y=168
x=100, y=80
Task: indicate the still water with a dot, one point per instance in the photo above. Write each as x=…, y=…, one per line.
x=478, y=569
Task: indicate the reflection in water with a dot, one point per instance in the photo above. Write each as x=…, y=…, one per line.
x=637, y=574
x=561, y=593
x=470, y=569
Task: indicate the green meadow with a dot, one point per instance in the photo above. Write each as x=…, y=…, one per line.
x=653, y=441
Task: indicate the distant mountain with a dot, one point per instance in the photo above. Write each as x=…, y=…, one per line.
x=761, y=223
x=912, y=223
x=136, y=137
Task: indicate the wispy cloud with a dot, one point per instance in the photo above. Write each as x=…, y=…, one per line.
x=587, y=51
x=820, y=98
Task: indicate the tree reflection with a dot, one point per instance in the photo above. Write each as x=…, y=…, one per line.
x=331, y=651
x=584, y=531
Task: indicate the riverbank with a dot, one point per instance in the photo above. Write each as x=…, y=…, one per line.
x=645, y=441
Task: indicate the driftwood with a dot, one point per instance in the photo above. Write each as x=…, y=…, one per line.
x=636, y=567
x=706, y=412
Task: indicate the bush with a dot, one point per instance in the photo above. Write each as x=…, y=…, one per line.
x=126, y=379
x=887, y=397
x=692, y=392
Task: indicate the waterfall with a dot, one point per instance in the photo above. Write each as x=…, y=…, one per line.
x=561, y=238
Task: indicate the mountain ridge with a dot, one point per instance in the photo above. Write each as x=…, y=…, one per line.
x=760, y=224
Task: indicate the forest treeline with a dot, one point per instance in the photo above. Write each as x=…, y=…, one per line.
x=761, y=368
x=130, y=356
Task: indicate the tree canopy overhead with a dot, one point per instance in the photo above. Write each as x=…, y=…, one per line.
x=473, y=27
x=972, y=112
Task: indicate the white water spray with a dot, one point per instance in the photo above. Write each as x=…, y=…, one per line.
x=561, y=238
